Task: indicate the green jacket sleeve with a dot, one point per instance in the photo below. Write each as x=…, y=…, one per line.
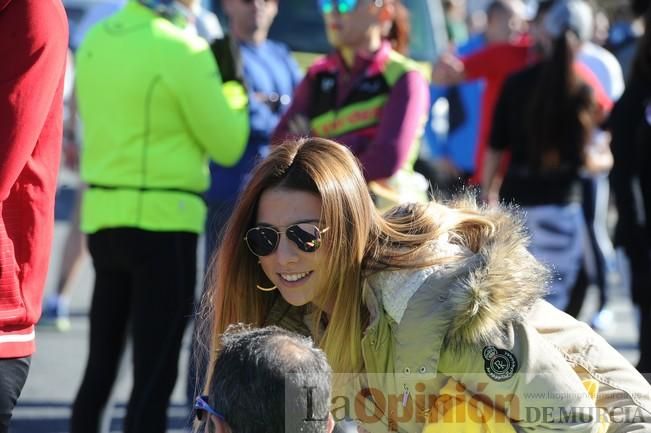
x=216, y=112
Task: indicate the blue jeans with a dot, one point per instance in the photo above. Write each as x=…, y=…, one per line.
x=557, y=240
x=596, y=191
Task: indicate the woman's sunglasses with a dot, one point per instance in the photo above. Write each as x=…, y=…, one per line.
x=201, y=406
x=342, y=6
x=263, y=240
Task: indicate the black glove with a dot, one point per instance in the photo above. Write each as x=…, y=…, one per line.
x=229, y=59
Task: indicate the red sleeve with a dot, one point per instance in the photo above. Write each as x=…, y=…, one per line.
x=36, y=47
x=604, y=103
x=498, y=60
x=299, y=106
x=402, y=121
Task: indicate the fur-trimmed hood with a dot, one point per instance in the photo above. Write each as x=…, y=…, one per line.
x=482, y=291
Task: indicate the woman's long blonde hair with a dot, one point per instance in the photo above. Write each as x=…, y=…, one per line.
x=359, y=242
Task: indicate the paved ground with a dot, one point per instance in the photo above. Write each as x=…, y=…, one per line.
x=58, y=365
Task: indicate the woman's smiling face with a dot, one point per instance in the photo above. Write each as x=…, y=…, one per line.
x=299, y=275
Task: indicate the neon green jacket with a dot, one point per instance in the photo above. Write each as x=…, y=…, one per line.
x=154, y=108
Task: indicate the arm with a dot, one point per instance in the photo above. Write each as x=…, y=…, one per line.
x=542, y=394
x=35, y=39
x=299, y=108
x=491, y=165
x=266, y=114
x=216, y=112
x=603, y=101
x=498, y=142
x=624, y=177
x=599, y=158
x=400, y=126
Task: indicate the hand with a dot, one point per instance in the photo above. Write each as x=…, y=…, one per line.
x=490, y=195
x=448, y=70
x=490, y=198
x=299, y=125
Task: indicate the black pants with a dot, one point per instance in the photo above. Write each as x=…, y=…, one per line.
x=144, y=287
x=13, y=374
x=644, y=364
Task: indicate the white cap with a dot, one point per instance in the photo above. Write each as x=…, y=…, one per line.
x=574, y=15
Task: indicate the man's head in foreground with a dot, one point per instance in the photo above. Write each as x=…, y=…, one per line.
x=268, y=380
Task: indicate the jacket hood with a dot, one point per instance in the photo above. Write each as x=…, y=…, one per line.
x=499, y=289
x=480, y=293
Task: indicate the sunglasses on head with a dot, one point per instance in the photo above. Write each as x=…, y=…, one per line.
x=201, y=406
x=263, y=240
x=341, y=6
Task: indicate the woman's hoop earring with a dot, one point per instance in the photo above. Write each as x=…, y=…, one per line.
x=266, y=289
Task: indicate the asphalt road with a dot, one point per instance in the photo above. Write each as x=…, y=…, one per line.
x=44, y=406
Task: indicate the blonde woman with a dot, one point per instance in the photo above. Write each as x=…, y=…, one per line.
x=419, y=305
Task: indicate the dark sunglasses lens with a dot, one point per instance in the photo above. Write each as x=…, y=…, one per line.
x=306, y=236
x=199, y=413
x=262, y=241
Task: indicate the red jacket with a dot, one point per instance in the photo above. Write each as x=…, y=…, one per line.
x=33, y=48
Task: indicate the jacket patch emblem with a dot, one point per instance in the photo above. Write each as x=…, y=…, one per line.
x=499, y=364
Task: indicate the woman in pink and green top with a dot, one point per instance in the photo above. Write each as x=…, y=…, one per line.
x=365, y=94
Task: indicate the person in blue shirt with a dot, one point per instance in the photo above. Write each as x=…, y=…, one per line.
x=271, y=74
x=451, y=137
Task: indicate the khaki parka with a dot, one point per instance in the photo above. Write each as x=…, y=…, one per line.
x=482, y=322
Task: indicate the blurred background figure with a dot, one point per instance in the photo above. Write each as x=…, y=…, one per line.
x=270, y=74
x=56, y=308
x=626, y=29
x=493, y=64
x=366, y=95
x=455, y=21
x=601, y=261
x=33, y=49
x=146, y=168
x=545, y=116
x=199, y=21
x=448, y=160
x=630, y=124
x=91, y=16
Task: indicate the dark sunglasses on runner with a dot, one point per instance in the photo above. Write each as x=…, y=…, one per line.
x=201, y=406
x=342, y=6
x=263, y=240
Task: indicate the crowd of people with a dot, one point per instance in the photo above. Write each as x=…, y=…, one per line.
x=367, y=269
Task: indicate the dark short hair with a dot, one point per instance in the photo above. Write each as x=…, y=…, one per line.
x=271, y=380
x=497, y=7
